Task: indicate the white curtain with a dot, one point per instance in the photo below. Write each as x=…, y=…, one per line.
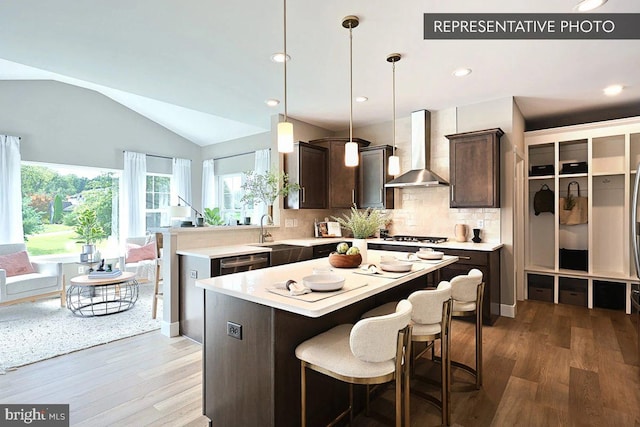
x=181, y=181
x=11, y=230
x=262, y=166
x=208, y=184
x=133, y=202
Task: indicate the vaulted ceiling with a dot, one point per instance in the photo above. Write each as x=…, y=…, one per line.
x=203, y=68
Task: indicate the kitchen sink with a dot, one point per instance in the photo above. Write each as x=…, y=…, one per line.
x=282, y=253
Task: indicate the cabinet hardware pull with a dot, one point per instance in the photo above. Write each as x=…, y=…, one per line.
x=452, y=191
x=381, y=199
x=353, y=196
x=464, y=257
x=302, y=189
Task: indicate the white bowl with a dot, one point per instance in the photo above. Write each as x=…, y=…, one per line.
x=396, y=266
x=429, y=254
x=323, y=282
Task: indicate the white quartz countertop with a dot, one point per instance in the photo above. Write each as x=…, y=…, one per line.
x=254, y=285
x=450, y=244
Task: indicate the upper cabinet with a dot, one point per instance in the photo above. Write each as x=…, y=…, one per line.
x=374, y=166
x=474, y=162
x=343, y=182
x=307, y=166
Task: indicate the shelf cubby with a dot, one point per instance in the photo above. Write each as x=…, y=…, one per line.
x=600, y=270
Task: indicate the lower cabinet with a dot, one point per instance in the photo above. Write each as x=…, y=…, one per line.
x=488, y=262
x=322, y=251
x=582, y=291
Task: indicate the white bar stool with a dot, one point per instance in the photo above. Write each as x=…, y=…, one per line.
x=467, y=292
x=369, y=352
x=430, y=321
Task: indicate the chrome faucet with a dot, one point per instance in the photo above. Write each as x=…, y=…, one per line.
x=265, y=236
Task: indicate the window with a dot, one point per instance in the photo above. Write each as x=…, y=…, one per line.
x=51, y=197
x=158, y=200
x=229, y=195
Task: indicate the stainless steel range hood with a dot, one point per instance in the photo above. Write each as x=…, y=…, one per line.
x=420, y=175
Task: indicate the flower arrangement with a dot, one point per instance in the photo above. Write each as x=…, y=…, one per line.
x=362, y=223
x=266, y=187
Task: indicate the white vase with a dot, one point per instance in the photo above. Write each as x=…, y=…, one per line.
x=361, y=244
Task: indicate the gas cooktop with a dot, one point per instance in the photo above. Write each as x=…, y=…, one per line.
x=418, y=239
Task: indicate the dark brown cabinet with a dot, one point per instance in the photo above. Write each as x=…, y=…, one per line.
x=374, y=166
x=474, y=169
x=343, y=182
x=489, y=264
x=307, y=166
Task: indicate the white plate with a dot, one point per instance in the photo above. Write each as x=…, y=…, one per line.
x=396, y=266
x=429, y=254
x=323, y=282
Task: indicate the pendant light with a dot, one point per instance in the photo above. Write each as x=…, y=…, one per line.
x=285, y=128
x=351, y=157
x=394, y=161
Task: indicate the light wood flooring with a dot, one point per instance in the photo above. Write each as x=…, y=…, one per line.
x=554, y=365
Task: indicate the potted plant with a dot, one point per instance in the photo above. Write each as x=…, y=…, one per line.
x=212, y=216
x=266, y=188
x=88, y=229
x=362, y=224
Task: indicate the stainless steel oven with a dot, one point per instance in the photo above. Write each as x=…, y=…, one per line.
x=240, y=263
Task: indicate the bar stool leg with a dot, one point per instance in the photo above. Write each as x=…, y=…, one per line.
x=303, y=395
x=478, y=348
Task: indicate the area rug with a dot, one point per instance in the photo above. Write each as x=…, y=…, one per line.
x=34, y=331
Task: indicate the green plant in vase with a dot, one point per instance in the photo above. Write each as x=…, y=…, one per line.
x=265, y=188
x=212, y=216
x=362, y=224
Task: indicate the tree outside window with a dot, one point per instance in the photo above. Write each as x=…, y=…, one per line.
x=158, y=195
x=51, y=196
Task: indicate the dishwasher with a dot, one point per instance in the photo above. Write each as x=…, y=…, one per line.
x=237, y=264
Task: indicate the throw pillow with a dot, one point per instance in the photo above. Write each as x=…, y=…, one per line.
x=137, y=253
x=16, y=264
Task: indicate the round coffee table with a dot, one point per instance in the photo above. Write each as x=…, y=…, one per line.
x=99, y=297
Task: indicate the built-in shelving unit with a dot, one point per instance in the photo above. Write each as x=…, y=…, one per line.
x=595, y=268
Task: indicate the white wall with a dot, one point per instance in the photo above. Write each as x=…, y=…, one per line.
x=65, y=124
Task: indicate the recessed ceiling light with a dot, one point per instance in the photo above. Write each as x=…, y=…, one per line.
x=461, y=72
x=279, y=57
x=587, y=5
x=272, y=102
x=612, y=90
x=361, y=99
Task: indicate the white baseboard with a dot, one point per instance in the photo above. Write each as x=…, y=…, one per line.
x=508, y=310
x=170, y=329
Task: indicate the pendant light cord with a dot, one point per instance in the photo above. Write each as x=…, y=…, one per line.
x=350, y=83
x=285, y=59
x=394, y=105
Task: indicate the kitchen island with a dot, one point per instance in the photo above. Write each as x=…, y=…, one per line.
x=250, y=373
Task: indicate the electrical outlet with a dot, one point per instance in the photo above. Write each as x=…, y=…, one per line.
x=295, y=222
x=480, y=223
x=193, y=274
x=234, y=330
x=81, y=269
x=288, y=222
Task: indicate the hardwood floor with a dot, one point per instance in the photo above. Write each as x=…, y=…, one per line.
x=554, y=365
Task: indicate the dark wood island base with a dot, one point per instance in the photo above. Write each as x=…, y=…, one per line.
x=255, y=380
